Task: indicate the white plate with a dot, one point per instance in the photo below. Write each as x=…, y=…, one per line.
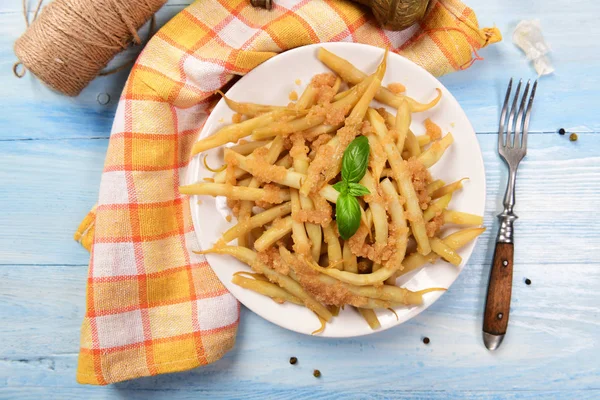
x=271, y=83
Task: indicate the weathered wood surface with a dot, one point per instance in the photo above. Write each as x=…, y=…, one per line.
x=51, y=155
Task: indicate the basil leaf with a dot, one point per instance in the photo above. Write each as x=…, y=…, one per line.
x=347, y=215
x=341, y=187
x=356, y=189
x=355, y=159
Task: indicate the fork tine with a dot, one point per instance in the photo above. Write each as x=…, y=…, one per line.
x=511, y=117
x=528, y=115
x=503, y=115
x=519, y=123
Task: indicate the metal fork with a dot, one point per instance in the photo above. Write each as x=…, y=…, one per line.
x=512, y=147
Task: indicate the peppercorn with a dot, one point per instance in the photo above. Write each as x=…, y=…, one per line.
x=293, y=360
x=562, y=131
x=317, y=373
x=426, y=340
x=573, y=137
x=528, y=281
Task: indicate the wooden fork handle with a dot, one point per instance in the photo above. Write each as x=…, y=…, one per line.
x=497, y=305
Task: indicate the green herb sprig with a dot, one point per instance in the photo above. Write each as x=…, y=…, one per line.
x=354, y=167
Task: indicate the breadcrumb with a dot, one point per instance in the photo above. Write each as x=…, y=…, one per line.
x=299, y=149
x=325, y=94
x=260, y=152
x=316, y=169
x=432, y=130
x=336, y=115
x=377, y=158
x=298, y=82
x=365, y=128
x=234, y=205
x=324, y=79
x=326, y=164
x=357, y=241
x=287, y=143
x=384, y=113
x=262, y=170
x=271, y=194
x=420, y=178
x=293, y=96
x=236, y=118
x=396, y=88
x=320, y=140
x=376, y=252
x=302, y=248
x=322, y=212
x=374, y=198
x=271, y=258
x=434, y=225
x=337, y=294
x=263, y=204
x=232, y=164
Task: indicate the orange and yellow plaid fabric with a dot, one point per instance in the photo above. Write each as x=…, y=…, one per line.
x=153, y=306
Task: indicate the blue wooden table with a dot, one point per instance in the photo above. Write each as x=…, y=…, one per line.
x=51, y=154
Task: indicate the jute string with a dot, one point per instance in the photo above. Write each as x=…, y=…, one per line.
x=71, y=41
x=26, y=16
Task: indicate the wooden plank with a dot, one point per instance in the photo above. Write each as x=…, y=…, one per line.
x=49, y=185
x=31, y=110
x=46, y=188
x=309, y=393
x=565, y=99
x=551, y=350
x=552, y=341
x=305, y=393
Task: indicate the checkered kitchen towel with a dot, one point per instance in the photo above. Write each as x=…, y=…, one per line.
x=153, y=306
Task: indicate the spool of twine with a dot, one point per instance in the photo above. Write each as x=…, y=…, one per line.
x=71, y=41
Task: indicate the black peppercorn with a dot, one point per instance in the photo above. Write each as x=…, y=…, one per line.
x=293, y=360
